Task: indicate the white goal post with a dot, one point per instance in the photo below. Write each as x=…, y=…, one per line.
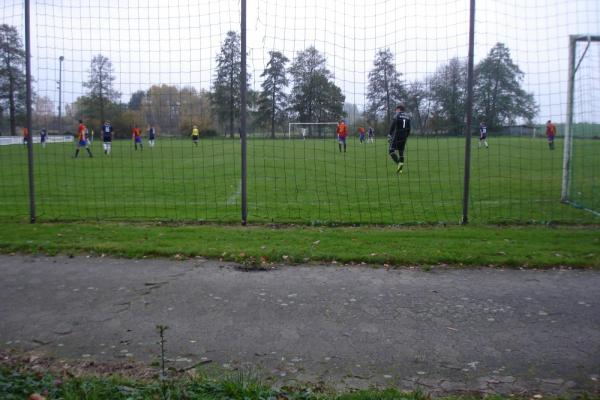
x=568, y=140
x=292, y=125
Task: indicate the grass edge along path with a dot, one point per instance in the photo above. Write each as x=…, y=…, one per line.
x=259, y=246
x=24, y=384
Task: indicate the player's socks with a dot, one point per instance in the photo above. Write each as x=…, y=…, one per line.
x=76, y=153
x=89, y=152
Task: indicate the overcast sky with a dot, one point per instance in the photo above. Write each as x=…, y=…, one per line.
x=176, y=41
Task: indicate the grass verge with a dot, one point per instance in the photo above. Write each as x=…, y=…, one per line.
x=255, y=246
x=23, y=384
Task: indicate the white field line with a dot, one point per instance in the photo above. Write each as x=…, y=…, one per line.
x=233, y=198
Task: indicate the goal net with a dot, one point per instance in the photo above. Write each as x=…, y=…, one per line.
x=312, y=130
x=581, y=164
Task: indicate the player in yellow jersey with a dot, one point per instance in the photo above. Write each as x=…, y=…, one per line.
x=195, y=135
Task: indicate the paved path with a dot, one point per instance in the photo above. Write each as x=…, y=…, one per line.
x=348, y=327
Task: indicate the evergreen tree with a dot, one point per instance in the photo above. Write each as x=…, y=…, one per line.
x=102, y=94
x=385, y=89
x=448, y=93
x=12, y=76
x=499, y=98
x=136, y=100
x=315, y=98
x=226, y=99
x=272, y=102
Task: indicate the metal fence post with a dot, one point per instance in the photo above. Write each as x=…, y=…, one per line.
x=28, y=110
x=60, y=61
x=243, y=110
x=469, y=107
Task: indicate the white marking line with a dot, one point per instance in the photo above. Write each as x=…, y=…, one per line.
x=232, y=199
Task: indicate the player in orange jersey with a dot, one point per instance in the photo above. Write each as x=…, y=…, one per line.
x=81, y=140
x=342, y=132
x=137, y=137
x=550, y=133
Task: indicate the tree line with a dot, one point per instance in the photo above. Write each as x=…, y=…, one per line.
x=301, y=91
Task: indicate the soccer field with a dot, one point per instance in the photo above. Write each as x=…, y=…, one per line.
x=305, y=181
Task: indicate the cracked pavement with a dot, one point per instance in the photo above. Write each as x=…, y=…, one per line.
x=444, y=331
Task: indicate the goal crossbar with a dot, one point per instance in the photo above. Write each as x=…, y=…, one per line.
x=306, y=123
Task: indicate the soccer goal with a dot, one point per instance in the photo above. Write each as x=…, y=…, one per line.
x=581, y=164
x=306, y=130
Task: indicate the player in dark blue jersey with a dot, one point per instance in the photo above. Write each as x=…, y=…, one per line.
x=483, y=135
x=107, y=136
x=43, y=137
x=151, y=135
x=397, y=136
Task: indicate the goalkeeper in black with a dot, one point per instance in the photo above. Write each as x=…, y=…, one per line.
x=399, y=131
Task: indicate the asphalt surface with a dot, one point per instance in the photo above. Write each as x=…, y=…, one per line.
x=445, y=330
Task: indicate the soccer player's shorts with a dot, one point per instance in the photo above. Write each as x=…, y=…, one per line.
x=107, y=139
x=551, y=138
x=82, y=143
x=482, y=137
x=151, y=137
x=342, y=139
x=362, y=137
x=397, y=144
x=138, y=139
x=195, y=138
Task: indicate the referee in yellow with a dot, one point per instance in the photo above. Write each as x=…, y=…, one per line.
x=195, y=135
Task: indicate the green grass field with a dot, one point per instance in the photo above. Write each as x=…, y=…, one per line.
x=516, y=180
